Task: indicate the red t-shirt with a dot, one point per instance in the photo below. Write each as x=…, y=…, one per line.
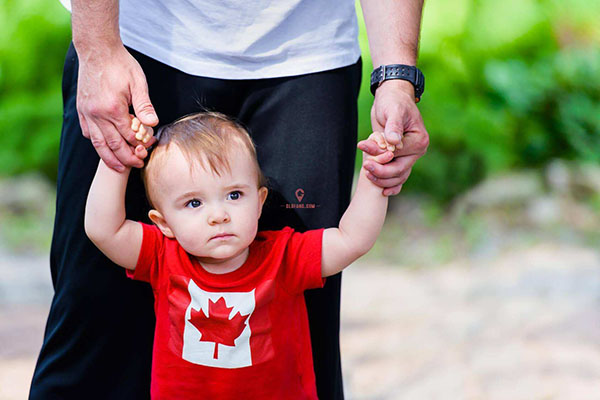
x=239, y=335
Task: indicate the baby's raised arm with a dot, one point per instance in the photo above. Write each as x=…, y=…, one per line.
x=361, y=223
x=118, y=238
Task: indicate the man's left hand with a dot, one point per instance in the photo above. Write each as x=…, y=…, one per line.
x=395, y=113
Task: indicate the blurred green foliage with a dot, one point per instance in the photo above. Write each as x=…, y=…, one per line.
x=34, y=35
x=510, y=84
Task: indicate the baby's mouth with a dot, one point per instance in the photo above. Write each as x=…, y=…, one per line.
x=222, y=236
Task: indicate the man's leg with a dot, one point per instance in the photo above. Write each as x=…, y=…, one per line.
x=305, y=129
x=98, y=338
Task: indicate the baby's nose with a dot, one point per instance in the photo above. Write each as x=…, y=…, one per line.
x=218, y=215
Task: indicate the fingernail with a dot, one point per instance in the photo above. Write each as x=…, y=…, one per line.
x=370, y=167
x=398, y=136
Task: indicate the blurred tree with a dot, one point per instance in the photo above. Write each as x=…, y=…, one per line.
x=509, y=84
x=34, y=35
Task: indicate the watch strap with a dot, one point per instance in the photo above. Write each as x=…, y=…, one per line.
x=399, y=71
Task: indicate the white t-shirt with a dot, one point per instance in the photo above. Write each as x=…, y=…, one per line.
x=242, y=39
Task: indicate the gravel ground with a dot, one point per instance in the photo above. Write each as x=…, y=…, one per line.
x=523, y=326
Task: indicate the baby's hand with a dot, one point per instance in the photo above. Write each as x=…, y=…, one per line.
x=379, y=138
x=387, y=148
x=142, y=133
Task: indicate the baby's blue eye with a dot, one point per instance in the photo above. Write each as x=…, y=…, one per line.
x=194, y=203
x=235, y=195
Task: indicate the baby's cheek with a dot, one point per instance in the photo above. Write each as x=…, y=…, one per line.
x=250, y=224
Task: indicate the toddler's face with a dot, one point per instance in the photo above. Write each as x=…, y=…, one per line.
x=200, y=206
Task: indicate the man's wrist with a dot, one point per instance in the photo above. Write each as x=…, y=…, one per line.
x=100, y=48
x=398, y=84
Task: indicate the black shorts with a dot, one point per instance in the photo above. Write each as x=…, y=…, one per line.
x=98, y=338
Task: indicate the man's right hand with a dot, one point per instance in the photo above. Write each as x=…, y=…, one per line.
x=109, y=80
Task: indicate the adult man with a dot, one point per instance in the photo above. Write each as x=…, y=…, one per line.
x=291, y=73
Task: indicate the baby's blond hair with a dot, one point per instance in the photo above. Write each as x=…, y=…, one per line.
x=206, y=136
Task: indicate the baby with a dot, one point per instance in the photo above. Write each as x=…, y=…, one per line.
x=231, y=320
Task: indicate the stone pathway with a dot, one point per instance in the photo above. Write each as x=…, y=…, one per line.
x=25, y=295
x=524, y=326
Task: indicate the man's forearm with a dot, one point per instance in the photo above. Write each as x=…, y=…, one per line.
x=364, y=218
x=95, y=24
x=393, y=30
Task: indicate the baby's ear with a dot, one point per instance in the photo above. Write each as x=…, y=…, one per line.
x=158, y=219
x=263, y=192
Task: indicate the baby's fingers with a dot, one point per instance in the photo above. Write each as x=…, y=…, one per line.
x=135, y=123
x=370, y=147
x=140, y=152
x=143, y=133
x=379, y=137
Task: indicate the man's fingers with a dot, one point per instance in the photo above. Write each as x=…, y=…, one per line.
x=123, y=126
x=390, y=182
x=105, y=153
x=392, y=191
x=415, y=138
x=84, y=126
x=393, y=169
x=414, y=143
x=140, y=151
x=394, y=128
x=119, y=147
x=140, y=100
x=383, y=158
x=126, y=155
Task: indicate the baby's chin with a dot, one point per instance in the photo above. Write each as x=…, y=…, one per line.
x=218, y=249
x=222, y=253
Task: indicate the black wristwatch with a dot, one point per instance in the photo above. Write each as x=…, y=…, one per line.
x=399, y=71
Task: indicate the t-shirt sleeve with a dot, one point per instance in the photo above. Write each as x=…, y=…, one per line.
x=146, y=268
x=301, y=269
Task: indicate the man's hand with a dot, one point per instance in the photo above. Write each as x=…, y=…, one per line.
x=376, y=142
x=110, y=79
x=395, y=113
